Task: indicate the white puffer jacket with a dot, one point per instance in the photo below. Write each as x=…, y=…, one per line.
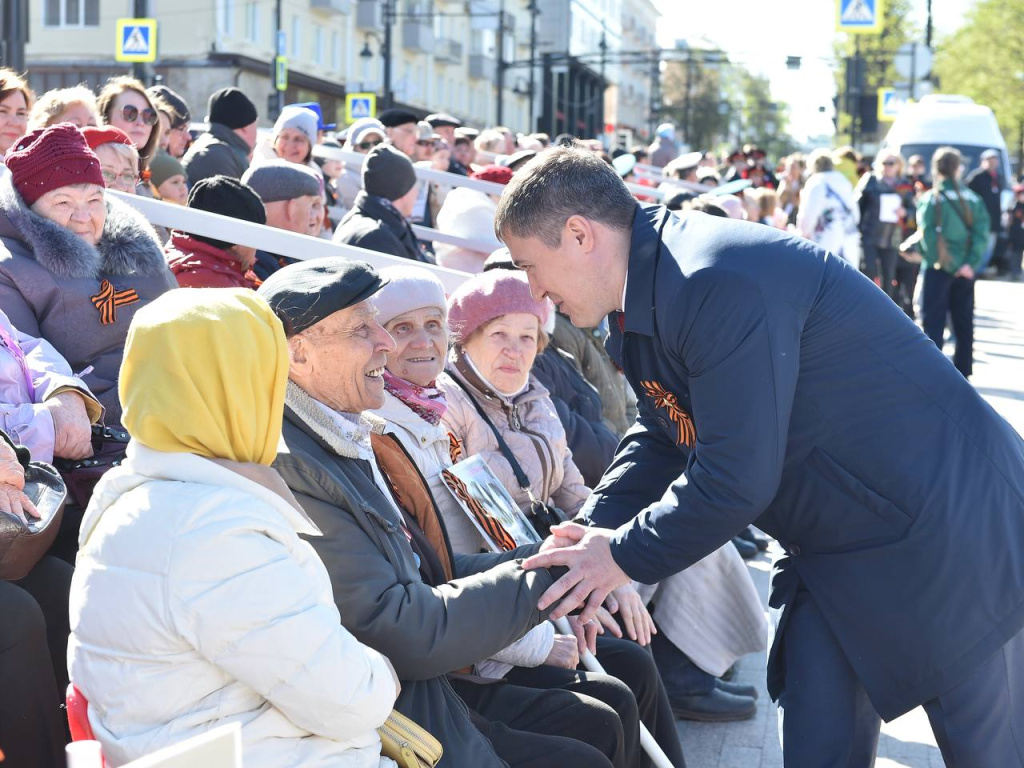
x=195, y=603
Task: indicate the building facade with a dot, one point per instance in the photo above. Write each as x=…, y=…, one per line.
x=444, y=53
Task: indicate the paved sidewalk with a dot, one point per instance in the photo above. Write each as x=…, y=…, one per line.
x=908, y=741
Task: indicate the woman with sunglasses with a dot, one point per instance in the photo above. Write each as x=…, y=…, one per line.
x=884, y=198
x=363, y=135
x=124, y=104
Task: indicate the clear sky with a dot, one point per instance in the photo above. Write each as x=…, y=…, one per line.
x=760, y=35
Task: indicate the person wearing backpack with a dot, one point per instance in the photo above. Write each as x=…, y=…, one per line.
x=954, y=225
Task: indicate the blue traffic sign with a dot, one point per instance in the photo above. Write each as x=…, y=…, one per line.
x=859, y=16
x=360, y=105
x=136, y=40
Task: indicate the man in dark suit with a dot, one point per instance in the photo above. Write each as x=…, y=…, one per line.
x=778, y=386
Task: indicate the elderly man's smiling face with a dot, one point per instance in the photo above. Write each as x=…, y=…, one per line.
x=340, y=360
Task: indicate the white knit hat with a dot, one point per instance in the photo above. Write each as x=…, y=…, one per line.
x=300, y=119
x=408, y=288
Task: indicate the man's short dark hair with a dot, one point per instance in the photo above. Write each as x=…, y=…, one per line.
x=562, y=182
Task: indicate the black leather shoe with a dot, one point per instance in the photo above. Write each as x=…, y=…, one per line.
x=747, y=550
x=747, y=534
x=715, y=706
x=736, y=689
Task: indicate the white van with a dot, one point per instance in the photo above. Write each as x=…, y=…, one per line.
x=946, y=120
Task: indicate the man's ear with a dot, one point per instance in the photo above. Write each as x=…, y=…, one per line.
x=300, y=363
x=581, y=232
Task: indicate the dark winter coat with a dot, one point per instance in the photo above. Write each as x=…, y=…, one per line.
x=989, y=189
x=426, y=631
x=78, y=297
x=377, y=227
x=219, y=151
x=779, y=386
x=579, y=409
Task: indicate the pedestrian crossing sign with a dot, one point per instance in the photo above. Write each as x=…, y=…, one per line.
x=360, y=105
x=859, y=16
x=136, y=40
x=889, y=104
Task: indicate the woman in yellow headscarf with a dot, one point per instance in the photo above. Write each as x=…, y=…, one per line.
x=194, y=601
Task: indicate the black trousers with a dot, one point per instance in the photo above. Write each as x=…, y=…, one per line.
x=826, y=719
x=906, y=285
x=535, y=728
x=942, y=295
x=880, y=264
x=34, y=631
x=636, y=690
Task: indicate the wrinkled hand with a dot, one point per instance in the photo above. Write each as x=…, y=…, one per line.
x=586, y=634
x=565, y=653
x=635, y=617
x=965, y=271
x=72, y=431
x=13, y=500
x=593, y=573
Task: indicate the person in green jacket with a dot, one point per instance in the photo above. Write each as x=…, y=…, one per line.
x=954, y=228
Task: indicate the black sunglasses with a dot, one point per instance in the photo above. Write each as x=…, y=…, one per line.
x=368, y=145
x=888, y=162
x=425, y=142
x=131, y=114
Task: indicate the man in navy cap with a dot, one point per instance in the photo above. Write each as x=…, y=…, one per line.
x=778, y=386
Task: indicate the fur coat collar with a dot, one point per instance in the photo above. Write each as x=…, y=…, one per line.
x=341, y=437
x=128, y=244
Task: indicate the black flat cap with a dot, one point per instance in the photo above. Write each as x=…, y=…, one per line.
x=392, y=118
x=307, y=292
x=442, y=119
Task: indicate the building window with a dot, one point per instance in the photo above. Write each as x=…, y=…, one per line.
x=318, y=45
x=252, y=21
x=71, y=13
x=296, y=36
x=229, y=17
x=335, y=51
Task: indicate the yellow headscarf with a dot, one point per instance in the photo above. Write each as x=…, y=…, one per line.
x=204, y=372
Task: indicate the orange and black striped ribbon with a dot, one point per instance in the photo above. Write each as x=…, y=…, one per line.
x=109, y=299
x=495, y=530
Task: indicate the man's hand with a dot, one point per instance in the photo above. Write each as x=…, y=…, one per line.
x=72, y=431
x=965, y=271
x=633, y=613
x=592, y=571
x=565, y=653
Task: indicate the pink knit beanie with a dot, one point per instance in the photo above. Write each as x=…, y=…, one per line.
x=487, y=296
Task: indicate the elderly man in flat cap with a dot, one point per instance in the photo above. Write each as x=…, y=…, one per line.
x=398, y=587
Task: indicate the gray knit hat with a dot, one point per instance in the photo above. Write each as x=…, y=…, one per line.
x=278, y=180
x=388, y=173
x=300, y=119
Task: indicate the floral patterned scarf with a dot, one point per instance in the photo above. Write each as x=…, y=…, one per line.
x=426, y=402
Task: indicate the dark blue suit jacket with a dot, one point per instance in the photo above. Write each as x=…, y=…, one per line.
x=779, y=386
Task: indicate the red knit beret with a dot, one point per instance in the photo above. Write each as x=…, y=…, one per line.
x=95, y=135
x=50, y=158
x=499, y=174
x=488, y=296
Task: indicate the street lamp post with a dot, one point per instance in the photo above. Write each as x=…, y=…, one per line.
x=385, y=51
x=534, y=12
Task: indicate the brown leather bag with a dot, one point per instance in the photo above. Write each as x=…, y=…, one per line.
x=21, y=545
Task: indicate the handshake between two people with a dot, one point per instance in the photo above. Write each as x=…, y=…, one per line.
x=595, y=582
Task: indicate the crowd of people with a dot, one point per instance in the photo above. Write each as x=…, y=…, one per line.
x=257, y=529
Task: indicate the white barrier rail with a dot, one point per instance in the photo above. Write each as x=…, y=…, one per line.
x=437, y=236
x=455, y=180
x=266, y=238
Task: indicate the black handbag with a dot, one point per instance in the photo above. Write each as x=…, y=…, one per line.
x=108, y=451
x=542, y=516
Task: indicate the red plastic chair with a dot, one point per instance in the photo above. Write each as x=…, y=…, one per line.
x=78, y=714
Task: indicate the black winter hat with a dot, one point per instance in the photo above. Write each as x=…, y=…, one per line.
x=388, y=173
x=228, y=197
x=231, y=107
x=392, y=118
